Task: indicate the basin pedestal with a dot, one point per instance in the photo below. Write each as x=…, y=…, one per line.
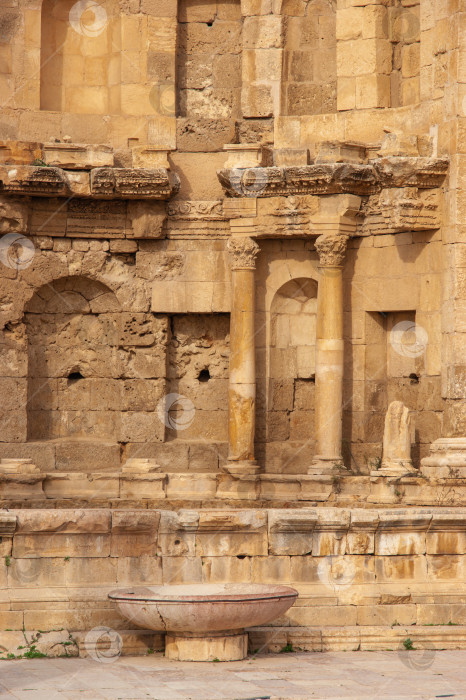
x=213, y=646
x=204, y=621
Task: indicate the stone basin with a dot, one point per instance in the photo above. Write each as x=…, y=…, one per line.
x=204, y=621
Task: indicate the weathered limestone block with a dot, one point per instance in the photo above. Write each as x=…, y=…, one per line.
x=191, y=486
x=87, y=455
x=400, y=568
x=13, y=215
x=401, y=533
x=291, y=532
x=89, y=486
x=77, y=157
x=232, y=533
x=330, y=532
x=447, y=534
x=129, y=643
x=61, y=533
x=243, y=155
x=142, y=569
x=20, y=152
x=182, y=569
x=63, y=521
x=135, y=486
x=387, y=615
x=447, y=459
x=245, y=488
x=360, y=538
x=445, y=567
x=134, y=533
x=226, y=569
x=397, y=439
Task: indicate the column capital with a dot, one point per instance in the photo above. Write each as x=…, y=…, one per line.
x=243, y=252
x=331, y=249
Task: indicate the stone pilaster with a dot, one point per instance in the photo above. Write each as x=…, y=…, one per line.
x=331, y=249
x=242, y=381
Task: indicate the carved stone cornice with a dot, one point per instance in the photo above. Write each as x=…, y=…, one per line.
x=101, y=183
x=334, y=178
x=242, y=253
x=134, y=183
x=331, y=249
x=32, y=180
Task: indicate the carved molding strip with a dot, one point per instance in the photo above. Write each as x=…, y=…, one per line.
x=196, y=210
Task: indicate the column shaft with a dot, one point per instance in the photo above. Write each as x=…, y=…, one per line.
x=329, y=355
x=329, y=364
x=242, y=378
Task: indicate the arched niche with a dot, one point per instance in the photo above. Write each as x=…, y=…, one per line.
x=72, y=328
x=293, y=330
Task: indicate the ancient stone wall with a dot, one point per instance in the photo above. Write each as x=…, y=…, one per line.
x=358, y=571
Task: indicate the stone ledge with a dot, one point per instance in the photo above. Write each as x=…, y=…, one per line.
x=172, y=490
x=357, y=638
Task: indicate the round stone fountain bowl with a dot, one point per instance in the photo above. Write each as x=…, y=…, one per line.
x=204, y=622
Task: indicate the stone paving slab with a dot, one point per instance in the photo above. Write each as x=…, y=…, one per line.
x=404, y=675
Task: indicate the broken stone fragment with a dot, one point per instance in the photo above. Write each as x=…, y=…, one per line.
x=18, y=466
x=140, y=465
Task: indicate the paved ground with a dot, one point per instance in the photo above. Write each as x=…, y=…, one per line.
x=344, y=675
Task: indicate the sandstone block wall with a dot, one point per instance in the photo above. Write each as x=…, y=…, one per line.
x=351, y=567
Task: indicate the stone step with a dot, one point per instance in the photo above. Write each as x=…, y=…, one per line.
x=357, y=638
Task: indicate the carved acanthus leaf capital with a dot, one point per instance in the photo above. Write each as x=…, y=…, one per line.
x=331, y=249
x=243, y=253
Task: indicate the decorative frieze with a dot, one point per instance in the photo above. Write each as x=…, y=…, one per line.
x=196, y=210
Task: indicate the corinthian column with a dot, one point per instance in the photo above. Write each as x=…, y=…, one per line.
x=242, y=382
x=329, y=354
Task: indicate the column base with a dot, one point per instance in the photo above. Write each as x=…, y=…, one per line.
x=242, y=468
x=447, y=459
x=212, y=646
x=327, y=465
x=395, y=468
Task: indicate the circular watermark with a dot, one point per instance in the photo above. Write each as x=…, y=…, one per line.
x=409, y=339
x=336, y=571
x=417, y=657
x=176, y=411
x=88, y=18
x=16, y=251
x=401, y=25
x=103, y=644
x=162, y=99
x=248, y=182
x=26, y=570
